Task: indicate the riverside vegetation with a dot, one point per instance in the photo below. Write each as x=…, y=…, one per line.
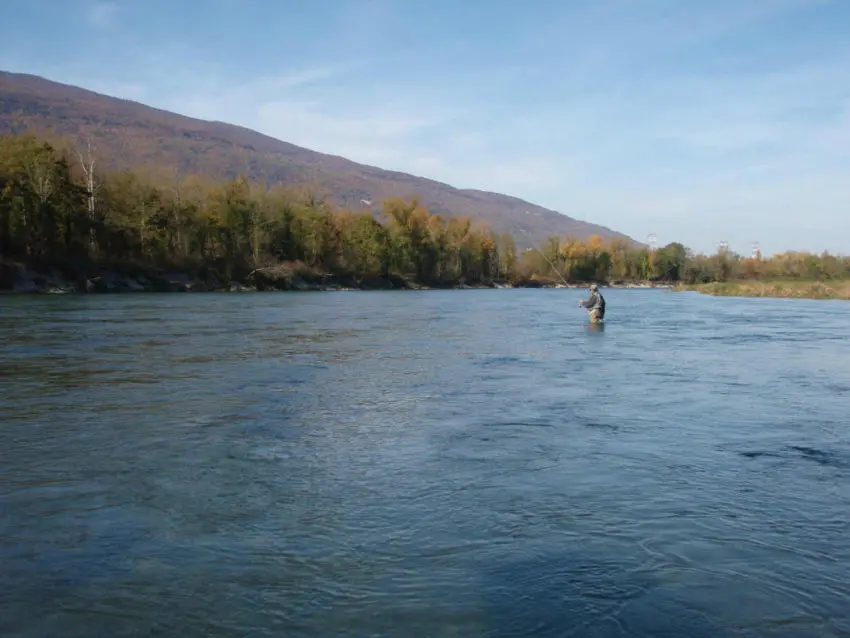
x=67, y=226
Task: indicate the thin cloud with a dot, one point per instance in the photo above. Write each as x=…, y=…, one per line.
x=102, y=15
x=581, y=159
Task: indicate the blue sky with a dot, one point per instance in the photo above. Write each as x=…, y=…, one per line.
x=696, y=121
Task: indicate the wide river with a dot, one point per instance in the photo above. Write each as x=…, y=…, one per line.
x=437, y=463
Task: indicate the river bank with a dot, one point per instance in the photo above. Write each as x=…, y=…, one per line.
x=18, y=278
x=779, y=289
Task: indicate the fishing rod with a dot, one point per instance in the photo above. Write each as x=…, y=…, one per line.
x=566, y=283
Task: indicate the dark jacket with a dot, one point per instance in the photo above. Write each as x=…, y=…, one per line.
x=596, y=301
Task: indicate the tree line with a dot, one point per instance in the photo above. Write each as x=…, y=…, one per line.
x=57, y=206
x=593, y=260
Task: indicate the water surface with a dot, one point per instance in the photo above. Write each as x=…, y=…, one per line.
x=440, y=463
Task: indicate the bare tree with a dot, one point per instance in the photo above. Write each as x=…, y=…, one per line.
x=177, y=211
x=87, y=161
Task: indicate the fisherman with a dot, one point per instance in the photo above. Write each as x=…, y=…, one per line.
x=595, y=305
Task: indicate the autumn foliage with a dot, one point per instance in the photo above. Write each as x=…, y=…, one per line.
x=48, y=212
x=56, y=206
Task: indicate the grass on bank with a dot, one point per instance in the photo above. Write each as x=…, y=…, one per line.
x=831, y=289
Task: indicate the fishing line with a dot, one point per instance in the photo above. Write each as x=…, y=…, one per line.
x=552, y=265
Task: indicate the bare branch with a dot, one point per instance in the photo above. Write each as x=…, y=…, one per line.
x=88, y=163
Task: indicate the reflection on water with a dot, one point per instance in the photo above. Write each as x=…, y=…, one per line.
x=595, y=328
x=476, y=463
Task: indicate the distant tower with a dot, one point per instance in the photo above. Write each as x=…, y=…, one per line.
x=651, y=239
x=756, y=250
x=723, y=246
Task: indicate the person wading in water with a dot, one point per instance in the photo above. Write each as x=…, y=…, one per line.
x=595, y=305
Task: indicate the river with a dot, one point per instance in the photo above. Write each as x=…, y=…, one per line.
x=434, y=463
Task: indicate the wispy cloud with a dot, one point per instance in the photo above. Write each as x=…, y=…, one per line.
x=102, y=15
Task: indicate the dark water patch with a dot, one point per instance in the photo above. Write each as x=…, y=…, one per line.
x=582, y=593
x=836, y=459
x=151, y=343
x=742, y=339
x=838, y=388
x=517, y=424
x=611, y=427
x=505, y=360
x=824, y=457
x=757, y=454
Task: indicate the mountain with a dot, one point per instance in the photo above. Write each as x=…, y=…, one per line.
x=130, y=135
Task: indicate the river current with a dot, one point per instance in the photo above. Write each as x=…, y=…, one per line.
x=434, y=463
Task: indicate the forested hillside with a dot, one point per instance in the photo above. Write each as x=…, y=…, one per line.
x=127, y=135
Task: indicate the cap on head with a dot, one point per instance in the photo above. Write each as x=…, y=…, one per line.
x=593, y=287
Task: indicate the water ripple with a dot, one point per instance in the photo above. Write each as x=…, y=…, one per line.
x=424, y=464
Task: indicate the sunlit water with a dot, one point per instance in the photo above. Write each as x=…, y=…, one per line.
x=464, y=463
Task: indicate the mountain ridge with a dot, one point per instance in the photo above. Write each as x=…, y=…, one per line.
x=131, y=135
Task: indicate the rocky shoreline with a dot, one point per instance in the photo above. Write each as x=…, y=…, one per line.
x=20, y=279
